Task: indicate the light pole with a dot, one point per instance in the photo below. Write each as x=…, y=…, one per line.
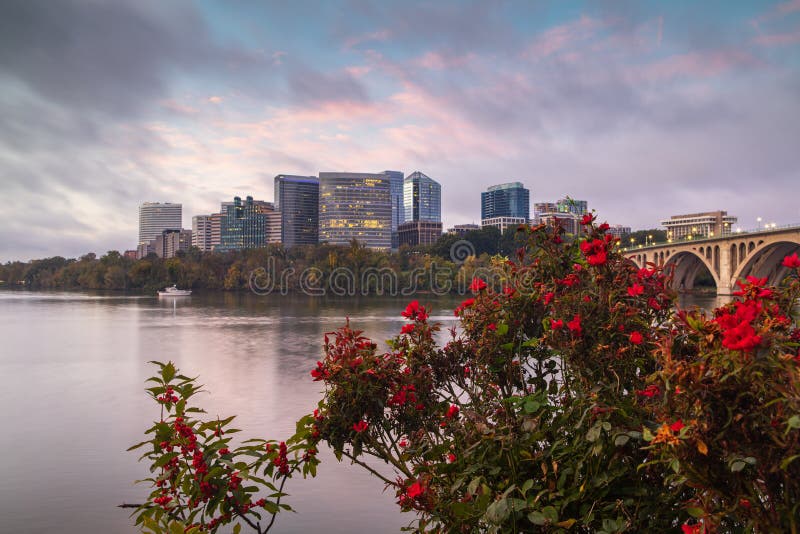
x=758, y=221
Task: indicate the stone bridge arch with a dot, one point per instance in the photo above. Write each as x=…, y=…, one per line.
x=687, y=264
x=764, y=260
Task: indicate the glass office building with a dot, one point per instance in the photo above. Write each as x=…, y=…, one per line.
x=297, y=200
x=506, y=200
x=396, y=191
x=422, y=198
x=355, y=206
x=243, y=225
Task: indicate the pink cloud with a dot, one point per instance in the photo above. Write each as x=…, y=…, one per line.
x=694, y=65
x=778, y=39
x=439, y=61
x=788, y=7
x=379, y=36
x=562, y=37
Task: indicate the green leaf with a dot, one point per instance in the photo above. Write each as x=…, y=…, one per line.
x=498, y=512
x=237, y=528
x=737, y=466
x=695, y=512
x=794, y=421
x=537, y=518
x=502, y=329
x=621, y=440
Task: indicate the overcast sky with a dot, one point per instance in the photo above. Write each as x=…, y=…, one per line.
x=645, y=109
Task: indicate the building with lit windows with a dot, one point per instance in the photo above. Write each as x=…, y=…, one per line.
x=155, y=217
x=505, y=201
x=707, y=224
x=540, y=208
x=570, y=222
x=297, y=200
x=355, y=206
x=570, y=205
x=422, y=198
x=462, y=229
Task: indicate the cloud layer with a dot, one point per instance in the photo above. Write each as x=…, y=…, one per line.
x=643, y=112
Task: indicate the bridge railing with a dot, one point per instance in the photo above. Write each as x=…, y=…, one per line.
x=684, y=241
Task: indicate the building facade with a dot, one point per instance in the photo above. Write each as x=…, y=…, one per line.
x=398, y=211
x=422, y=198
x=462, y=229
x=355, y=206
x=540, y=208
x=174, y=241
x=694, y=225
x=297, y=200
x=617, y=230
x=155, y=217
x=570, y=222
x=505, y=200
x=570, y=205
x=413, y=233
x=503, y=223
x=201, y=232
x=243, y=226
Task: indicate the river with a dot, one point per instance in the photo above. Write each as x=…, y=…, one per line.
x=74, y=367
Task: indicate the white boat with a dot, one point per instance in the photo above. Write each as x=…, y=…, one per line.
x=173, y=291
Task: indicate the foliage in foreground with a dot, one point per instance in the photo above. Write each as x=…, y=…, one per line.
x=573, y=399
x=200, y=481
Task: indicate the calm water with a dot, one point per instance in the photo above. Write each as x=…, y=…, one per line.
x=74, y=366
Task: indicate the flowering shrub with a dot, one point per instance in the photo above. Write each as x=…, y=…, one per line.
x=200, y=483
x=570, y=398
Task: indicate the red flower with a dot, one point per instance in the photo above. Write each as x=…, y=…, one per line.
x=636, y=338
x=556, y=324
x=650, y=391
x=403, y=443
x=407, y=328
x=476, y=285
x=492, y=327
x=587, y=219
x=320, y=372
x=452, y=411
x=697, y=528
x=548, y=298
x=415, y=490
x=451, y=457
x=415, y=312
x=595, y=251
x=603, y=227
x=635, y=290
x=792, y=262
x=509, y=291
x=223, y=452
x=360, y=426
x=575, y=325
x=676, y=426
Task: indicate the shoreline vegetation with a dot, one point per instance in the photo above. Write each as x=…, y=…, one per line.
x=440, y=268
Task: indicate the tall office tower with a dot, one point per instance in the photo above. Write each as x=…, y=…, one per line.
x=243, y=225
x=506, y=200
x=297, y=200
x=201, y=232
x=422, y=198
x=155, y=217
x=398, y=216
x=570, y=205
x=355, y=206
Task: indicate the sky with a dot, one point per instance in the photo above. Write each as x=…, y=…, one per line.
x=645, y=109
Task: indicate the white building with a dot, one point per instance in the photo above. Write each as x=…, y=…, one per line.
x=707, y=224
x=155, y=217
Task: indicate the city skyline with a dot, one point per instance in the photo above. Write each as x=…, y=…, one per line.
x=646, y=110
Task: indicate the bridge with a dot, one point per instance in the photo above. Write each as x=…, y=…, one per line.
x=727, y=258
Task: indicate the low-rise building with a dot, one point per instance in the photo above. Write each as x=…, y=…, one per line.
x=415, y=233
x=706, y=224
x=504, y=222
x=462, y=229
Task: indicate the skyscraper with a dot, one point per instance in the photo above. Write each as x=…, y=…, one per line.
x=355, y=206
x=244, y=225
x=297, y=199
x=398, y=217
x=506, y=200
x=570, y=205
x=155, y=217
x=422, y=198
